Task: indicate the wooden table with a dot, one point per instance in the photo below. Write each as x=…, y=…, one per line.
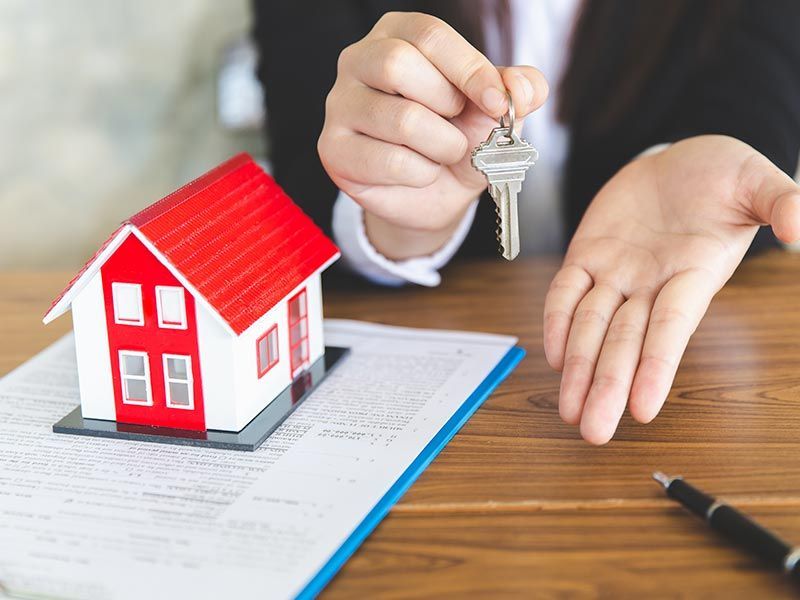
x=518, y=504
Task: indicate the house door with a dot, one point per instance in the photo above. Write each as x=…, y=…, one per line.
x=298, y=331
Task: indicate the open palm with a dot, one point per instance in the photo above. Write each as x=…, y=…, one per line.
x=654, y=247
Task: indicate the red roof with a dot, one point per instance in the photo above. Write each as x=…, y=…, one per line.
x=237, y=238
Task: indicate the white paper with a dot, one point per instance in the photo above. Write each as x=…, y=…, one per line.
x=82, y=517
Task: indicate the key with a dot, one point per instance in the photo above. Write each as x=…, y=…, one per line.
x=504, y=158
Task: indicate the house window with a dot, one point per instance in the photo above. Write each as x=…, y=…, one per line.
x=267, y=351
x=298, y=331
x=178, y=381
x=127, y=303
x=171, y=306
x=135, y=371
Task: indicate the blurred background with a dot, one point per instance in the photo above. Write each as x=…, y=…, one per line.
x=108, y=105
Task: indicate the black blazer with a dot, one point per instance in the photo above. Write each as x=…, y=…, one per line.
x=752, y=92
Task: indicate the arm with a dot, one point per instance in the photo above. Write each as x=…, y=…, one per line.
x=389, y=100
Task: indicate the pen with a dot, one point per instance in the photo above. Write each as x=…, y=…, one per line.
x=734, y=525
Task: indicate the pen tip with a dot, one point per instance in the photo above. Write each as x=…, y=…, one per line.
x=661, y=478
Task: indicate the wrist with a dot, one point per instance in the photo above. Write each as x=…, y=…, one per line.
x=401, y=243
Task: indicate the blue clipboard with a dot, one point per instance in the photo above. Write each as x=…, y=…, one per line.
x=414, y=470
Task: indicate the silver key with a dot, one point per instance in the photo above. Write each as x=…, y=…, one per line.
x=504, y=158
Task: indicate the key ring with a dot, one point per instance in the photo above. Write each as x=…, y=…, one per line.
x=510, y=114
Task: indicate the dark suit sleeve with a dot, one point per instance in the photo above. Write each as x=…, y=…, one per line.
x=750, y=90
x=746, y=85
x=299, y=44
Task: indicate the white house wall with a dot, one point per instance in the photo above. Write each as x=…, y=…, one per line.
x=252, y=393
x=316, y=343
x=91, y=348
x=217, y=354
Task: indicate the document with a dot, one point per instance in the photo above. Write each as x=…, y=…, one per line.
x=84, y=517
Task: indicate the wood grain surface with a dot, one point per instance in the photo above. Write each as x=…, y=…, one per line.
x=517, y=504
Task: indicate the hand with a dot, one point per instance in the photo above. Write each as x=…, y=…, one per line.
x=410, y=101
x=656, y=244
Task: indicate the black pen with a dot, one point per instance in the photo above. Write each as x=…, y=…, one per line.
x=734, y=525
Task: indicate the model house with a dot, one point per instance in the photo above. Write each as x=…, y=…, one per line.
x=202, y=308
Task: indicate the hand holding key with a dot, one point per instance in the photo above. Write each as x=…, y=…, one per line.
x=410, y=101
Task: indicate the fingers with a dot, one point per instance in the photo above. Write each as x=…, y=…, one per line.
x=677, y=311
x=569, y=287
x=615, y=370
x=400, y=121
x=358, y=158
x=396, y=67
x=589, y=325
x=528, y=88
x=460, y=62
x=620, y=353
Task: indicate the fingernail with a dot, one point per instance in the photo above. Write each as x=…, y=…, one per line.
x=527, y=90
x=494, y=101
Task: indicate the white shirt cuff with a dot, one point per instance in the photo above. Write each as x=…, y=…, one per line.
x=361, y=257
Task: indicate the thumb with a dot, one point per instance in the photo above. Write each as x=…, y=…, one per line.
x=528, y=88
x=785, y=217
x=776, y=200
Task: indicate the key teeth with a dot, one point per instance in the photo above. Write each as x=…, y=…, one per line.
x=499, y=231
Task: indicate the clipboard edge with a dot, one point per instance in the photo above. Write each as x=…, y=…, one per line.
x=497, y=375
